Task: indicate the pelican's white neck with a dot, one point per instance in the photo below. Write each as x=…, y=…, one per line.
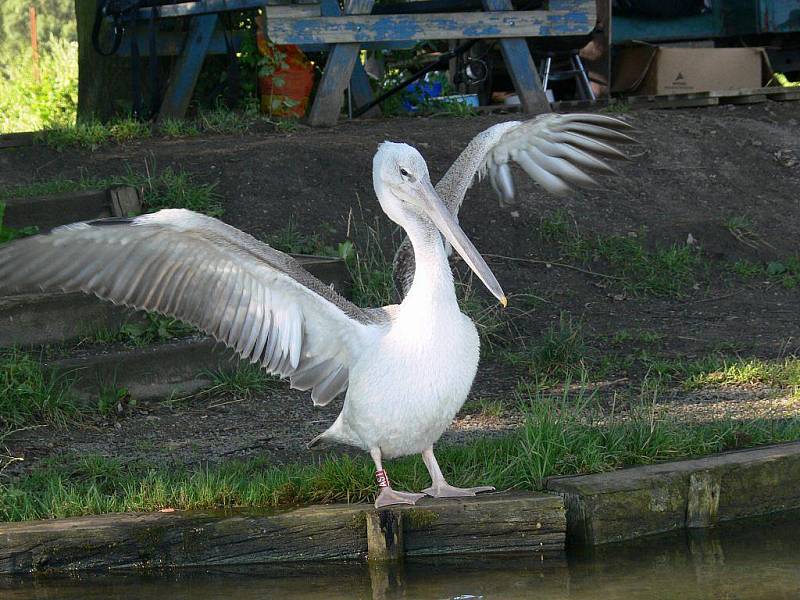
x=433, y=279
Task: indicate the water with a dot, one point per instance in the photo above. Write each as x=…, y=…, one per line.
x=753, y=561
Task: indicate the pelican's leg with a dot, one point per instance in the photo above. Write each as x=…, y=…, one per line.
x=442, y=489
x=387, y=495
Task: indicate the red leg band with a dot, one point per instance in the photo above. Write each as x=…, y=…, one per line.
x=383, y=480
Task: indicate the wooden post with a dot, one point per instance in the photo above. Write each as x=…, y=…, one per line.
x=125, y=201
x=520, y=67
x=187, y=68
x=359, y=80
x=34, y=43
x=384, y=535
x=337, y=73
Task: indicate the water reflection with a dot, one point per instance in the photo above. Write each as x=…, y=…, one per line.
x=760, y=560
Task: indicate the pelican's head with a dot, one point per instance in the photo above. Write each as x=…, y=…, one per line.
x=406, y=195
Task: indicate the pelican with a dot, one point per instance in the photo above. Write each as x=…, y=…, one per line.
x=406, y=369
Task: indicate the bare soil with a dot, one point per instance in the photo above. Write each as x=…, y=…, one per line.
x=694, y=170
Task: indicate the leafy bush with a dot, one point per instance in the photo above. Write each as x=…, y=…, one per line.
x=30, y=105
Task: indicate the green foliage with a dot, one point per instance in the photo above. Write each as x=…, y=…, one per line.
x=154, y=328
x=220, y=120
x=7, y=233
x=562, y=434
x=31, y=395
x=785, y=272
x=30, y=105
x=54, y=19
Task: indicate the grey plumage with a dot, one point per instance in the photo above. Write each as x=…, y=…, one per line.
x=555, y=150
x=255, y=299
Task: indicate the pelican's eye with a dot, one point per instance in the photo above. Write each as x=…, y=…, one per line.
x=403, y=172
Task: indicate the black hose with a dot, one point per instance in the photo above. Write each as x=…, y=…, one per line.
x=441, y=62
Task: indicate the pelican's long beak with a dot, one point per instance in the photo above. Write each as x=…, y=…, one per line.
x=446, y=223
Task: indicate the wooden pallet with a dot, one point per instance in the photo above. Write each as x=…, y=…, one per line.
x=742, y=96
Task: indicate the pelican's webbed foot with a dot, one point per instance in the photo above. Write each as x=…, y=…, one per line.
x=445, y=490
x=388, y=497
x=440, y=487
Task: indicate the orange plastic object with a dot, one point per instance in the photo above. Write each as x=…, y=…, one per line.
x=286, y=91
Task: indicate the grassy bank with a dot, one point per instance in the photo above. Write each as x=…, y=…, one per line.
x=562, y=434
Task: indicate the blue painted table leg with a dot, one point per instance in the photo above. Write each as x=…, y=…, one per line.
x=520, y=67
x=338, y=70
x=187, y=68
x=362, y=91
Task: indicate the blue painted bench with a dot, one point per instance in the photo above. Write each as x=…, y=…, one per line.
x=324, y=25
x=349, y=30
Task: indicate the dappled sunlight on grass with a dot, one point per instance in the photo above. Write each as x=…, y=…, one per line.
x=561, y=434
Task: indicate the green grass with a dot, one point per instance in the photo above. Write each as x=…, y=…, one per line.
x=93, y=135
x=638, y=270
x=487, y=317
x=561, y=435
x=30, y=394
x=560, y=351
x=777, y=373
x=166, y=188
x=624, y=336
x=290, y=239
x=244, y=381
x=369, y=266
x=174, y=128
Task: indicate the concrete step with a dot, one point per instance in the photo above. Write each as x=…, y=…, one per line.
x=153, y=372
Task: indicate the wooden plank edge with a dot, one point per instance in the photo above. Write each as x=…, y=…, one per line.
x=18, y=140
x=641, y=501
x=526, y=522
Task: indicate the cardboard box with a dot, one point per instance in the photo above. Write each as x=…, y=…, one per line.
x=656, y=70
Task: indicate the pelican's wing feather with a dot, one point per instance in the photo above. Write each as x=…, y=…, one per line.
x=559, y=152
x=257, y=300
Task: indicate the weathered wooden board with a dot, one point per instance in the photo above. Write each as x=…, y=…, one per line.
x=438, y=26
x=626, y=504
x=47, y=212
x=503, y=522
x=17, y=140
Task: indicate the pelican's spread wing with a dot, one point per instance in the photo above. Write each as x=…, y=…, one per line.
x=255, y=299
x=557, y=151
